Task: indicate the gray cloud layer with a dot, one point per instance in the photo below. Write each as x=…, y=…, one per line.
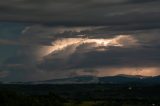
x=82, y=12
x=53, y=20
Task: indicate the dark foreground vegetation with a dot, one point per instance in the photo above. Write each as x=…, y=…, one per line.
x=80, y=95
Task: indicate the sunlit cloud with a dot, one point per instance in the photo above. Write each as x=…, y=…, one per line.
x=61, y=44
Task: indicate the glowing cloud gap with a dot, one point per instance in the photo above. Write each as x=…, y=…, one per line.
x=146, y=71
x=61, y=44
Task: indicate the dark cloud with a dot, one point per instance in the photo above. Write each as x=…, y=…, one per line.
x=29, y=27
x=117, y=57
x=78, y=59
x=7, y=42
x=142, y=1
x=80, y=12
x=114, y=57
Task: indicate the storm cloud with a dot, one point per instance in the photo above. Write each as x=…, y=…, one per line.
x=47, y=39
x=82, y=12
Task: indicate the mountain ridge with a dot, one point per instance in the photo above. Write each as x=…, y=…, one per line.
x=87, y=79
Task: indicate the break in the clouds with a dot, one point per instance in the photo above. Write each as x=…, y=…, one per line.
x=51, y=39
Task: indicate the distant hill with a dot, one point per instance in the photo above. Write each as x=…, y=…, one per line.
x=72, y=80
x=118, y=79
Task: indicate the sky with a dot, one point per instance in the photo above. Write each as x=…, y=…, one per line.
x=50, y=39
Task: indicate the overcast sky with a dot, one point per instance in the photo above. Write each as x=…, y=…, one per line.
x=49, y=39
